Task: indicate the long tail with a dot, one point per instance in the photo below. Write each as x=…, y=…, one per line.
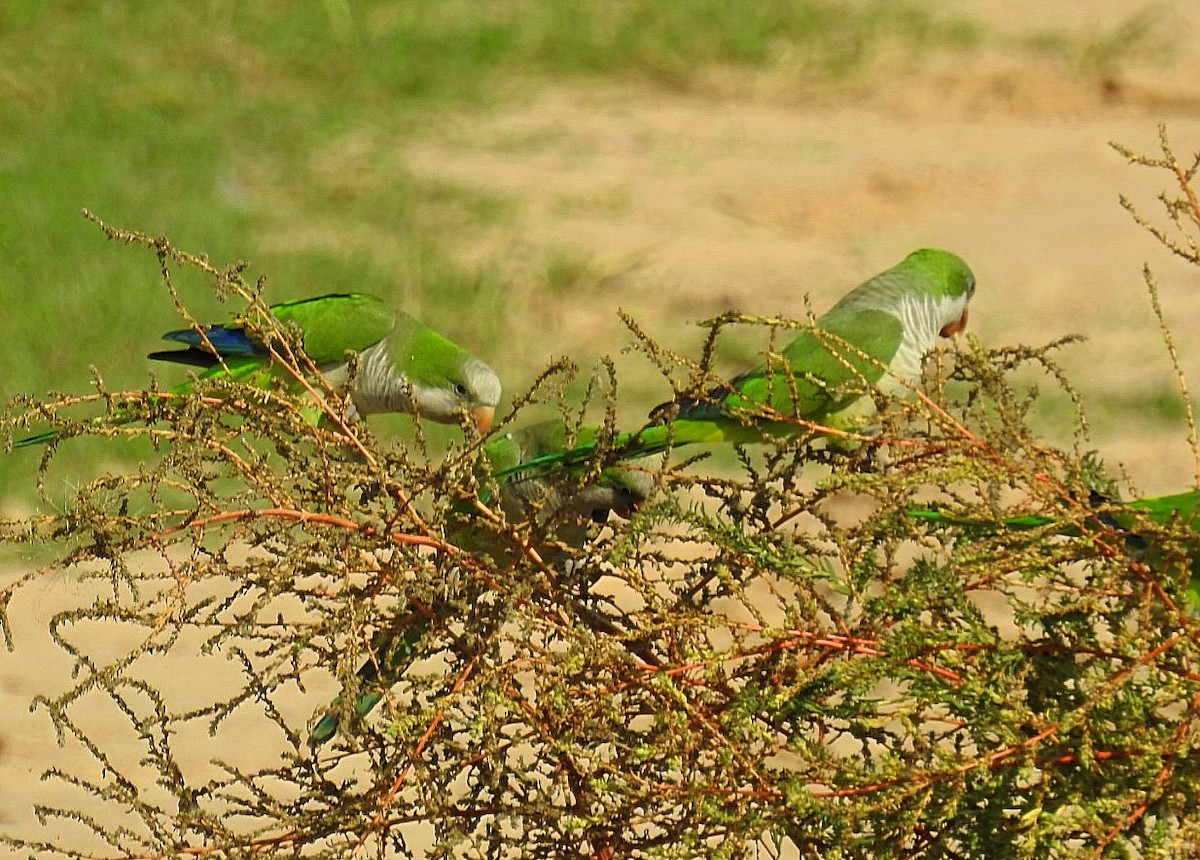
x=44, y=438
x=1125, y=518
x=48, y=436
x=393, y=654
x=1159, y=510
x=941, y=516
x=112, y=419
x=250, y=370
x=639, y=444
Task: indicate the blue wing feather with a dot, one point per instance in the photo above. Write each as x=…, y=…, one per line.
x=226, y=340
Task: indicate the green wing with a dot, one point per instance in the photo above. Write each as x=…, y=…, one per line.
x=1162, y=509
x=334, y=324
x=823, y=371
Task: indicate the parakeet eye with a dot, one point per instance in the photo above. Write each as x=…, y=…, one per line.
x=460, y=389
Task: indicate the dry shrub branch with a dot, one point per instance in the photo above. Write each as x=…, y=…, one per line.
x=771, y=657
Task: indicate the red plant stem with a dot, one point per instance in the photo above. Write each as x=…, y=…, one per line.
x=389, y=797
x=306, y=517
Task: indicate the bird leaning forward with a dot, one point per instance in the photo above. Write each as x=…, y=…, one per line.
x=403, y=365
x=876, y=336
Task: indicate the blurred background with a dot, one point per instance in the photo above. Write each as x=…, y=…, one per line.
x=514, y=172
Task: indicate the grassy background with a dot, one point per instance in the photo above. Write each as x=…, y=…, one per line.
x=223, y=126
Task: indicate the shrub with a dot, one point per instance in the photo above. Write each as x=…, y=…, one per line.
x=773, y=655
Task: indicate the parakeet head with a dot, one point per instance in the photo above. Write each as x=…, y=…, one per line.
x=480, y=392
x=446, y=381
x=466, y=385
x=947, y=280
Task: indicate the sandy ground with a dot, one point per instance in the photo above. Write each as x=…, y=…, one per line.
x=688, y=205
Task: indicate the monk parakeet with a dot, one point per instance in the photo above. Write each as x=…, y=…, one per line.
x=403, y=365
x=619, y=489
x=556, y=501
x=876, y=335
x=392, y=650
x=1134, y=523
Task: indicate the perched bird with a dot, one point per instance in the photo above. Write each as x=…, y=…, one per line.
x=1145, y=526
x=876, y=335
x=620, y=489
x=555, y=501
x=403, y=365
x=392, y=650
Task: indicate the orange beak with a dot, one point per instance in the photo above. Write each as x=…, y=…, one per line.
x=951, y=329
x=483, y=416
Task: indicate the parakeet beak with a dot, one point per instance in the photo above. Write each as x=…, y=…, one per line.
x=483, y=416
x=951, y=329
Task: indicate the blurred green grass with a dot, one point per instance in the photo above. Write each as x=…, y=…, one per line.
x=274, y=132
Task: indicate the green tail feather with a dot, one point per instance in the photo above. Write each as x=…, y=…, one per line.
x=1124, y=517
x=1160, y=510
x=652, y=440
x=940, y=516
x=395, y=655
x=38, y=439
x=253, y=371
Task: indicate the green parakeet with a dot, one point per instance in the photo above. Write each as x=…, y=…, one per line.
x=876, y=335
x=403, y=365
x=1134, y=522
x=620, y=489
x=394, y=650
x=564, y=505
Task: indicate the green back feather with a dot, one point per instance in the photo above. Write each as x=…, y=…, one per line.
x=825, y=374
x=334, y=324
x=822, y=374
x=423, y=355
